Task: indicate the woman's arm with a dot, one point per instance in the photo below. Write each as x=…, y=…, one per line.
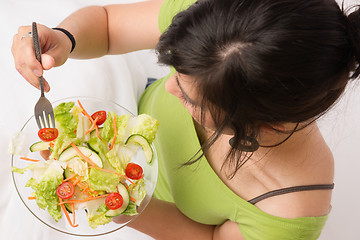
x=98, y=31
x=114, y=29
x=163, y=220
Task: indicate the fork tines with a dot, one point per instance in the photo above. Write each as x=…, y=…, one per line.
x=46, y=120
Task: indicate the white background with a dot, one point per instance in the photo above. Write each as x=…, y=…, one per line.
x=109, y=77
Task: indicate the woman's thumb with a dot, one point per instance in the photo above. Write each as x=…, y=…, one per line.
x=48, y=61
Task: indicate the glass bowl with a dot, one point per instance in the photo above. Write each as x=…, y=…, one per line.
x=29, y=136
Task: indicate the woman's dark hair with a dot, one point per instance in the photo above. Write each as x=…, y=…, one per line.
x=263, y=61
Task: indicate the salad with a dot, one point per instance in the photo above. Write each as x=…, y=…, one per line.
x=88, y=164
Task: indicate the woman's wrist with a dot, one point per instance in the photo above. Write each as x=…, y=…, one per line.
x=69, y=35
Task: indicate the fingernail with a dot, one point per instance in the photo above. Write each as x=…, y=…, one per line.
x=46, y=87
x=37, y=73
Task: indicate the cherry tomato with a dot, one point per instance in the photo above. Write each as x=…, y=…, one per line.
x=101, y=117
x=114, y=201
x=65, y=190
x=48, y=134
x=134, y=171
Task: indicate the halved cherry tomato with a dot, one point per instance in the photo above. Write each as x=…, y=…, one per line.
x=134, y=171
x=114, y=201
x=48, y=134
x=101, y=117
x=65, y=190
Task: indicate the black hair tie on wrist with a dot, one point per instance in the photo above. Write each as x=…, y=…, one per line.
x=70, y=36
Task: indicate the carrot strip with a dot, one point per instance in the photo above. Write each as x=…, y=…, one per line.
x=31, y=198
x=97, y=131
x=85, y=112
x=93, y=125
x=77, y=181
x=127, y=187
x=90, y=118
x=112, y=143
x=115, y=132
x=66, y=213
x=107, y=170
x=89, y=190
x=83, y=109
x=115, y=126
x=85, y=190
x=29, y=159
x=80, y=185
x=73, y=212
x=82, y=155
x=83, y=200
x=86, y=187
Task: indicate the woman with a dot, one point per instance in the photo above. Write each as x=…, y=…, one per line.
x=240, y=154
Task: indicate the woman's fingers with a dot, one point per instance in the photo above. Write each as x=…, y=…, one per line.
x=24, y=56
x=34, y=81
x=54, y=53
x=45, y=154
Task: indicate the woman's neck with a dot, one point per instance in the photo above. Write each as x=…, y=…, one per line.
x=269, y=138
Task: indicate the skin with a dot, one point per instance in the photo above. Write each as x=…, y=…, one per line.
x=99, y=31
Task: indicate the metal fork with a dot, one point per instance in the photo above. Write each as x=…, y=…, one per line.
x=43, y=112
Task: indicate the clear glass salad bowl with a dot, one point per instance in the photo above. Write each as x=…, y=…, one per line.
x=29, y=136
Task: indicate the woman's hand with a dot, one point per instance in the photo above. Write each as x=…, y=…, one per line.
x=163, y=220
x=55, y=47
x=98, y=31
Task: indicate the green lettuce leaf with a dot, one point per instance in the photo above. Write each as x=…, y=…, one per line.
x=79, y=167
x=130, y=210
x=144, y=125
x=107, y=132
x=119, y=157
x=96, y=210
x=47, y=176
x=98, y=218
x=102, y=208
x=138, y=191
x=66, y=122
x=103, y=181
x=62, y=142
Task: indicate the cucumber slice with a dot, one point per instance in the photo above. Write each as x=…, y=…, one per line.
x=126, y=200
x=92, y=206
x=145, y=145
x=93, y=132
x=68, y=207
x=77, y=195
x=93, y=142
x=68, y=173
x=71, y=153
x=39, y=146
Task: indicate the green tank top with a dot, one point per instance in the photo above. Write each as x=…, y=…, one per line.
x=196, y=189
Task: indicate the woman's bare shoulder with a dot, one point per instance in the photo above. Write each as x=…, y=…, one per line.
x=312, y=164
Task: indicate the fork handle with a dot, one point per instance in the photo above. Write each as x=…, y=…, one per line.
x=36, y=42
x=41, y=81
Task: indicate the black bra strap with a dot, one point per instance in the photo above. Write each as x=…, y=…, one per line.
x=290, y=190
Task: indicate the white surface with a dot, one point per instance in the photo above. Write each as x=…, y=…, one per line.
x=341, y=126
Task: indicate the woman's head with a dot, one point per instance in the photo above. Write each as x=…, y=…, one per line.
x=264, y=62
